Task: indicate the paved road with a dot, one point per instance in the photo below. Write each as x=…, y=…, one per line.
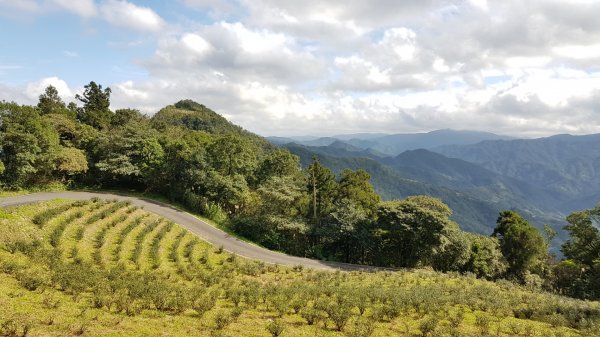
x=205, y=231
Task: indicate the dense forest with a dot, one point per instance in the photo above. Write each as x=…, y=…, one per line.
x=193, y=156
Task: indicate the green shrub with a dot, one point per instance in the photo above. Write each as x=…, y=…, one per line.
x=222, y=319
x=41, y=219
x=482, y=321
x=204, y=302
x=155, y=245
x=123, y=234
x=139, y=239
x=340, y=315
x=361, y=327
x=311, y=315
x=33, y=278
x=428, y=325
x=275, y=327
x=15, y=327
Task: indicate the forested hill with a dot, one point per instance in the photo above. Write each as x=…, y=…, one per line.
x=192, y=155
x=195, y=116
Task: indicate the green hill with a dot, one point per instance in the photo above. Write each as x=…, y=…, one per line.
x=195, y=116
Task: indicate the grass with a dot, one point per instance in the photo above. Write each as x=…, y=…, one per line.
x=116, y=270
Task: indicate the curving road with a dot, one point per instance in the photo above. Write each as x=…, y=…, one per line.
x=204, y=230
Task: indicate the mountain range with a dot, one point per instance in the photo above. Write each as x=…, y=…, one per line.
x=477, y=174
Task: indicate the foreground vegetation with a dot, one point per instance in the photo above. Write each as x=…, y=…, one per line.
x=192, y=155
x=109, y=268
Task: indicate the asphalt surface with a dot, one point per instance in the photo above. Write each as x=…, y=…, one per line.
x=209, y=233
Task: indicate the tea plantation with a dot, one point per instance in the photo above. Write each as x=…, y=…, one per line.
x=108, y=268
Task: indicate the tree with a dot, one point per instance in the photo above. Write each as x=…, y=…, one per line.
x=124, y=116
x=321, y=186
x=51, y=103
x=485, y=258
x=130, y=156
x=28, y=145
x=231, y=155
x=278, y=163
x=522, y=245
x=454, y=251
x=228, y=191
x=583, y=245
x=71, y=161
x=343, y=230
x=355, y=186
x=96, y=106
x=409, y=232
x=579, y=275
x=281, y=196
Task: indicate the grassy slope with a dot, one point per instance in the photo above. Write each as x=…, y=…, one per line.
x=423, y=298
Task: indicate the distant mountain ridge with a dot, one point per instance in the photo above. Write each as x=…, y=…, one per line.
x=544, y=179
x=394, y=144
x=475, y=206
x=563, y=164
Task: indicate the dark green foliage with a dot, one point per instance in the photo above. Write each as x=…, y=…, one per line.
x=579, y=275
x=410, y=231
x=521, y=244
x=51, y=103
x=96, y=106
x=58, y=230
x=28, y=146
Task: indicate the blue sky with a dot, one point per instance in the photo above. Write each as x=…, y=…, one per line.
x=285, y=67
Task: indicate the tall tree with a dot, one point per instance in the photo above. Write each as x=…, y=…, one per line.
x=522, y=245
x=96, y=106
x=321, y=186
x=579, y=275
x=51, y=103
x=355, y=186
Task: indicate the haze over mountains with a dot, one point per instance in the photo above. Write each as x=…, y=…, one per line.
x=394, y=144
x=476, y=173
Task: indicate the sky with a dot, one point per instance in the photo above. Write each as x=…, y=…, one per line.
x=288, y=67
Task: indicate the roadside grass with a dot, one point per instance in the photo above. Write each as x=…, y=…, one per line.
x=185, y=287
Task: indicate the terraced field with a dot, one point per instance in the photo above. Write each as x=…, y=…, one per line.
x=109, y=233
x=101, y=267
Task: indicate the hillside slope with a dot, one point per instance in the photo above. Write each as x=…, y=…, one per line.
x=109, y=268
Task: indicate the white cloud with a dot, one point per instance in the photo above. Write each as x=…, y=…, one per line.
x=322, y=67
x=34, y=89
x=196, y=44
x=84, y=8
x=578, y=52
x=125, y=14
